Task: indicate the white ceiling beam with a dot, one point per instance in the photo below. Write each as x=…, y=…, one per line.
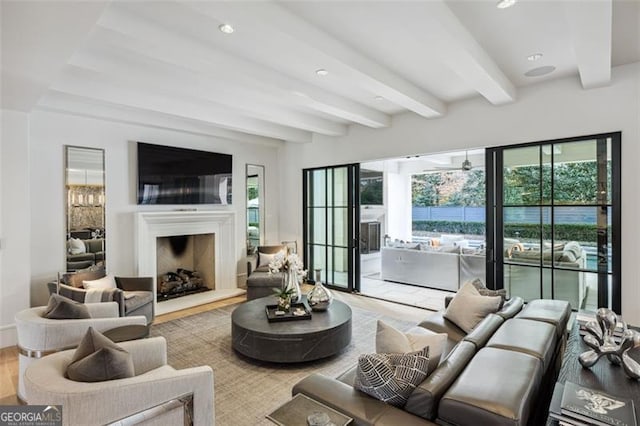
x=150, y=39
x=38, y=37
x=92, y=85
x=292, y=30
x=160, y=77
x=81, y=106
x=590, y=23
x=452, y=43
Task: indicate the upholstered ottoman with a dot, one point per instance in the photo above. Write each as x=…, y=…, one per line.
x=531, y=337
x=497, y=388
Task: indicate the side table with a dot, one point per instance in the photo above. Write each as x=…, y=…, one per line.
x=603, y=376
x=296, y=411
x=127, y=332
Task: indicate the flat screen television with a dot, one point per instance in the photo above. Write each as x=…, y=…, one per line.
x=371, y=188
x=170, y=175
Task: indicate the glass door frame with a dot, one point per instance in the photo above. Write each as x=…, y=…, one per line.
x=353, y=232
x=495, y=218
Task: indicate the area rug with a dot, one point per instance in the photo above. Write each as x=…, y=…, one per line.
x=245, y=391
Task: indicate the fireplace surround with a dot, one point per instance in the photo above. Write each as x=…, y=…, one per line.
x=151, y=225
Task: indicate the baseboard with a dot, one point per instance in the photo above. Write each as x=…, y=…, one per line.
x=8, y=336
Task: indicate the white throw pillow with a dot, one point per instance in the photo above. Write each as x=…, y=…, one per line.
x=468, y=307
x=76, y=246
x=392, y=340
x=264, y=259
x=102, y=283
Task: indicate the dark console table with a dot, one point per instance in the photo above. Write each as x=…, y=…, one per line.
x=326, y=334
x=603, y=376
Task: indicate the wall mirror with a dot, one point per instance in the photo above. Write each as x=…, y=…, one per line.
x=85, y=190
x=255, y=206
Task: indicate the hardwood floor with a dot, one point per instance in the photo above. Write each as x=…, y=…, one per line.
x=9, y=356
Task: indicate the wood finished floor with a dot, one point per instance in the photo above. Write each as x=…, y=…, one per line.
x=9, y=356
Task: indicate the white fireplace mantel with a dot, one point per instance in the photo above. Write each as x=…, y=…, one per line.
x=151, y=225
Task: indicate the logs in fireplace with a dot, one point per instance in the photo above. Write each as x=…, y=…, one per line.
x=179, y=283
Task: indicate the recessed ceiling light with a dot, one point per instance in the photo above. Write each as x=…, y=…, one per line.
x=226, y=28
x=534, y=57
x=503, y=4
x=322, y=72
x=540, y=71
x=379, y=98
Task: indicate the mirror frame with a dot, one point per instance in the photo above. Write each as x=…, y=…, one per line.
x=260, y=174
x=85, y=198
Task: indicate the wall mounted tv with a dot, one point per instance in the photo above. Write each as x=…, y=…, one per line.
x=170, y=175
x=371, y=187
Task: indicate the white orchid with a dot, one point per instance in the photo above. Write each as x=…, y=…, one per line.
x=290, y=263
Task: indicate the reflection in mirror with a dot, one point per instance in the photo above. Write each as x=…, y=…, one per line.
x=255, y=207
x=85, y=245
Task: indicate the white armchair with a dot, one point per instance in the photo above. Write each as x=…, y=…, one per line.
x=39, y=336
x=157, y=394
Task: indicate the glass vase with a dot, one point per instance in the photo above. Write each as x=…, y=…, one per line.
x=291, y=282
x=320, y=297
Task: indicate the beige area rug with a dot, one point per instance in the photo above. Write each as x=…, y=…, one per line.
x=245, y=391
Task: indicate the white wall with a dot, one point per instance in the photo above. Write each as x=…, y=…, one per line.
x=552, y=110
x=398, y=200
x=15, y=258
x=50, y=132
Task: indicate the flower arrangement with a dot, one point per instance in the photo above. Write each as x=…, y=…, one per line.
x=288, y=264
x=293, y=271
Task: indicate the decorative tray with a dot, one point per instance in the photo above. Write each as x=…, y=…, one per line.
x=289, y=316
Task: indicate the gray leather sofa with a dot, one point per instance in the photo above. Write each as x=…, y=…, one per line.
x=501, y=373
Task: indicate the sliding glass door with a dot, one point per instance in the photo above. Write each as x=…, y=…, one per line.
x=553, y=212
x=330, y=212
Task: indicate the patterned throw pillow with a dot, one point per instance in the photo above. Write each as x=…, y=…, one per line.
x=391, y=378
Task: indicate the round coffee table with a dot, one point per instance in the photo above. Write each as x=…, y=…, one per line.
x=325, y=334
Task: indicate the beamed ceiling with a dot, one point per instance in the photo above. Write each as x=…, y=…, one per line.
x=167, y=64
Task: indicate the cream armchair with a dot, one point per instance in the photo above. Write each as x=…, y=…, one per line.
x=158, y=394
x=39, y=336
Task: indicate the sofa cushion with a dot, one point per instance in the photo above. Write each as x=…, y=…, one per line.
x=484, y=330
x=438, y=324
x=424, y=400
x=135, y=299
x=468, y=307
x=392, y=340
x=511, y=308
x=391, y=377
x=98, y=359
x=531, y=337
x=497, y=388
x=555, y=312
x=60, y=307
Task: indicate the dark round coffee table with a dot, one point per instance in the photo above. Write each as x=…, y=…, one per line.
x=325, y=334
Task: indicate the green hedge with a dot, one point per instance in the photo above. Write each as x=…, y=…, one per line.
x=449, y=227
x=524, y=231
